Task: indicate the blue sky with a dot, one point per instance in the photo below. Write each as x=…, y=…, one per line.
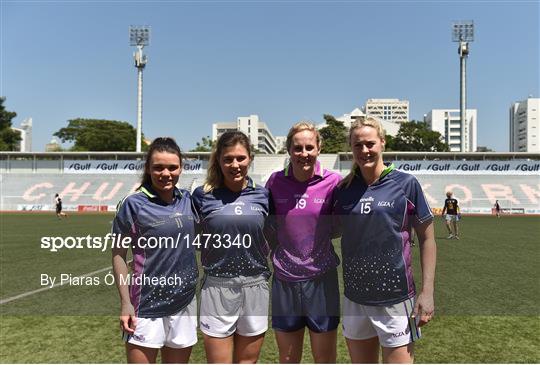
x=212, y=61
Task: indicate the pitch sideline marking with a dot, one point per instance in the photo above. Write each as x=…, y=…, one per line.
x=7, y=300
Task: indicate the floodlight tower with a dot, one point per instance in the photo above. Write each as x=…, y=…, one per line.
x=463, y=32
x=139, y=36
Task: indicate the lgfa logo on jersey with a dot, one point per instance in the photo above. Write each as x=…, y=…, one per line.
x=383, y=203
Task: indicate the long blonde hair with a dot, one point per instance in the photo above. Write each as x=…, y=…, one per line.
x=359, y=123
x=303, y=126
x=214, y=175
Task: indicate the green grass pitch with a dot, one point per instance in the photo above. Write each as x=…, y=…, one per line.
x=487, y=295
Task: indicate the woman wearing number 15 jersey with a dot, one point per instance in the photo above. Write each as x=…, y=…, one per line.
x=378, y=206
x=235, y=292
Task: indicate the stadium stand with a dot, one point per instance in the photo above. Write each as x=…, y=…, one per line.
x=97, y=181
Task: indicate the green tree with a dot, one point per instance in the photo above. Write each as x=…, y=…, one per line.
x=9, y=138
x=205, y=145
x=389, y=142
x=100, y=135
x=416, y=136
x=334, y=136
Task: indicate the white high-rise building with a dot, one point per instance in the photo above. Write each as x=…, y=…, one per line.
x=281, y=142
x=257, y=131
x=390, y=127
x=448, y=123
x=525, y=126
x=25, y=144
x=348, y=119
x=388, y=110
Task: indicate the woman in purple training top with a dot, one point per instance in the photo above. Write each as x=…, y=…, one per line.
x=305, y=285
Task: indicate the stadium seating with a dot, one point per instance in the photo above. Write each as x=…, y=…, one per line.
x=28, y=184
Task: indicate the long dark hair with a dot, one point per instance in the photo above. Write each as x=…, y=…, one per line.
x=214, y=177
x=160, y=144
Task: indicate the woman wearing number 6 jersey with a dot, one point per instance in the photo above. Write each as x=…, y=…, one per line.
x=235, y=292
x=162, y=316
x=305, y=285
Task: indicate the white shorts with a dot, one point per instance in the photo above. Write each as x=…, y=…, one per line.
x=393, y=325
x=451, y=217
x=230, y=305
x=177, y=331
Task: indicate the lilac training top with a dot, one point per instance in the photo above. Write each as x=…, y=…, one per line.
x=303, y=220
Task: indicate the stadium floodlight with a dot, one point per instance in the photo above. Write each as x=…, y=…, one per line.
x=463, y=32
x=139, y=36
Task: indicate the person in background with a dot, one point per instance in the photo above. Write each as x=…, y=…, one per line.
x=452, y=216
x=497, y=209
x=58, y=204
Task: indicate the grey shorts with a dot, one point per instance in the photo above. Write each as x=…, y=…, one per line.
x=230, y=305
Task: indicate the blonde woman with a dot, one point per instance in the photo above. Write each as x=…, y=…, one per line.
x=305, y=285
x=235, y=292
x=377, y=206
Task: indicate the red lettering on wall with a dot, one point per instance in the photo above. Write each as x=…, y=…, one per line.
x=499, y=192
x=75, y=193
x=531, y=193
x=99, y=192
x=135, y=187
x=429, y=198
x=28, y=193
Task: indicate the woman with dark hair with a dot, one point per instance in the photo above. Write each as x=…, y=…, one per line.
x=235, y=292
x=158, y=305
x=58, y=205
x=497, y=209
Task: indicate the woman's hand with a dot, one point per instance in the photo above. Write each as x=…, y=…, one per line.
x=424, y=308
x=128, y=321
